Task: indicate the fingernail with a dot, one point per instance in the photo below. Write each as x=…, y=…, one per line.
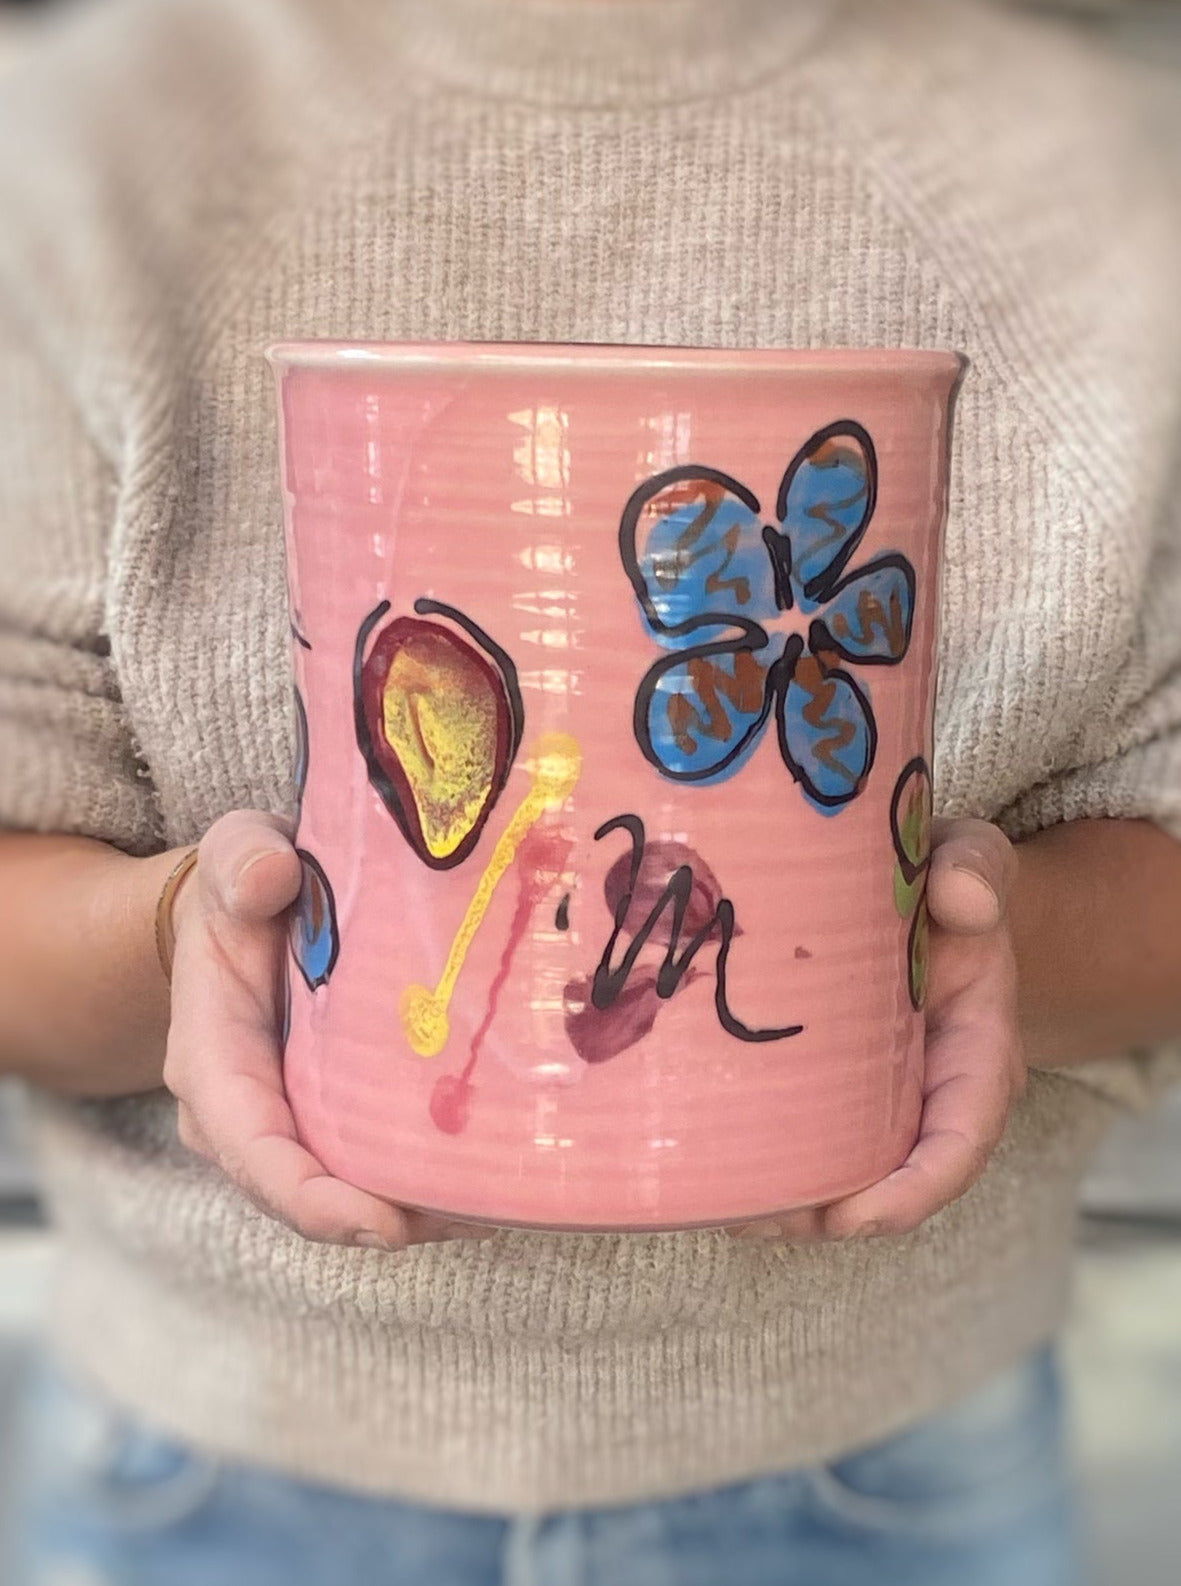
x=368, y=1240
x=982, y=881
x=861, y=1231
x=761, y=1231
x=476, y=1231
x=244, y=869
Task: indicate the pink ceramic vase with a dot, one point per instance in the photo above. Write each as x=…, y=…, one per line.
x=615, y=679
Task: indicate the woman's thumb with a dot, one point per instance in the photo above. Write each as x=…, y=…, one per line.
x=247, y=865
x=973, y=866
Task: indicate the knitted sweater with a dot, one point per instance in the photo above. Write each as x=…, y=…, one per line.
x=183, y=182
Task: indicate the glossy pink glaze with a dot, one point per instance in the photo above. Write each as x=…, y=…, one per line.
x=493, y=480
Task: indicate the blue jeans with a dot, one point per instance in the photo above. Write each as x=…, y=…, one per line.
x=977, y=1496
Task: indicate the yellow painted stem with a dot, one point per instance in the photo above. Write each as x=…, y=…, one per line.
x=557, y=765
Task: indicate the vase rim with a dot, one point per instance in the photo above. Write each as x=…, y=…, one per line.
x=494, y=356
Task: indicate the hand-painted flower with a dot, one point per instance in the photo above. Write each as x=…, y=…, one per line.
x=312, y=927
x=711, y=577
x=910, y=828
x=438, y=719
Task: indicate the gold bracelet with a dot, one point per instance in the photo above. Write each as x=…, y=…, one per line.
x=165, y=930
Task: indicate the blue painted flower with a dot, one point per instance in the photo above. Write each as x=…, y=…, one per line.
x=712, y=579
x=312, y=929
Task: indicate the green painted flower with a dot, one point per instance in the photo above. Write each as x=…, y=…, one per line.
x=910, y=828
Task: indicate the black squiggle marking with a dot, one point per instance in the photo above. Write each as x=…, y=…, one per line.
x=610, y=979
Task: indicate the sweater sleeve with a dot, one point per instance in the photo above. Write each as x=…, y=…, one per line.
x=1129, y=766
x=67, y=756
x=1128, y=757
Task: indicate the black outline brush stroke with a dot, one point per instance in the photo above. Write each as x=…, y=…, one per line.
x=828, y=801
x=317, y=869
x=629, y=554
x=389, y=795
x=918, y=1000
x=821, y=636
x=920, y=768
x=779, y=549
x=752, y=643
x=285, y=1008
x=500, y=664
x=303, y=751
x=820, y=585
x=609, y=982
x=911, y=872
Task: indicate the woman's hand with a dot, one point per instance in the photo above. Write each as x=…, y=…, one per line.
x=223, y=1062
x=84, y=1009
x=223, y=1058
x=975, y=1065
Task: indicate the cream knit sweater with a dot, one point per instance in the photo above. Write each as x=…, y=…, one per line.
x=184, y=181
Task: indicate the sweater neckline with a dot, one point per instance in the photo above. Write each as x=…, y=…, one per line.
x=608, y=53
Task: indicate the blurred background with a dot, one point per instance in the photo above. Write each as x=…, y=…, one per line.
x=1124, y=1346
